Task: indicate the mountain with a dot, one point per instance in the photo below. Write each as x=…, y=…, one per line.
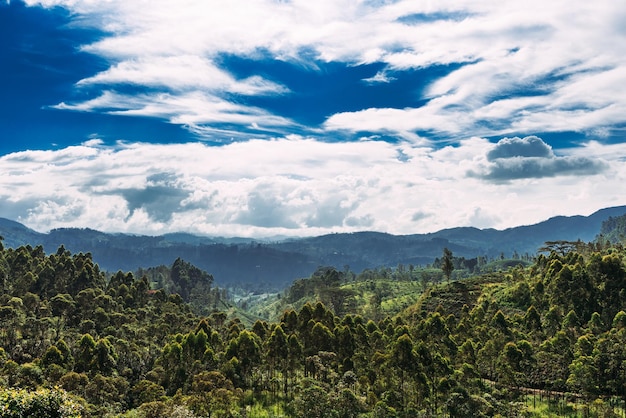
x=15, y=234
x=370, y=249
x=272, y=265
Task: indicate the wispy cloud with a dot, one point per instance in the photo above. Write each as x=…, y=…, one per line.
x=379, y=77
x=182, y=73
x=468, y=73
x=298, y=186
x=193, y=109
x=526, y=67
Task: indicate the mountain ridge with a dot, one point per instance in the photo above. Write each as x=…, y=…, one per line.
x=276, y=264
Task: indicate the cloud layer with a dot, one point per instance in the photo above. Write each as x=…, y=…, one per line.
x=517, y=67
x=297, y=186
x=334, y=115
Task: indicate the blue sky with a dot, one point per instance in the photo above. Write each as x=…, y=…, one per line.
x=291, y=118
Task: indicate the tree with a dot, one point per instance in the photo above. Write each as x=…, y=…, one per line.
x=347, y=404
x=583, y=376
x=213, y=393
x=313, y=402
x=104, y=356
x=246, y=349
x=510, y=364
x=62, y=305
x=403, y=358
x=147, y=391
x=278, y=354
x=321, y=339
x=532, y=319
x=446, y=263
x=294, y=356
x=85, y=353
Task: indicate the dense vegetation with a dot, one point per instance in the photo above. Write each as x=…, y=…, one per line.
x=83, y=344
x=272, y=266
x=372, y=293
x=614, y=229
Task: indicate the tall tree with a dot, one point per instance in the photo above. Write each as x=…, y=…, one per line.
x=446, y=263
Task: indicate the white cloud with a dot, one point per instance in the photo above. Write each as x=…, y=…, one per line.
x=293, y=186
x=182, y=73
x=530, y=157
x=530, y=146
x=516, y=68
x=193, y=109
x=570, y=54
x=379, y=77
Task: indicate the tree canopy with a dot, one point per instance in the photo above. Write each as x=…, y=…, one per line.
x=76, y=341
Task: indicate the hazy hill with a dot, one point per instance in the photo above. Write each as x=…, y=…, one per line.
x=370, y=249
x=276, y=264
x=16, y=234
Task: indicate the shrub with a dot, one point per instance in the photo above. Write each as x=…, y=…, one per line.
x=43, y=403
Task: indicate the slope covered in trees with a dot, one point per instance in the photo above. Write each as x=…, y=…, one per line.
x=271, y=266
x=372, y=293
x=116, y=346
x=614, y=229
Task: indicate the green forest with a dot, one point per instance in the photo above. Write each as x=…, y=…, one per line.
x=512, y=338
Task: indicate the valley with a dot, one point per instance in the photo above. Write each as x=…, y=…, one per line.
x=534, y=337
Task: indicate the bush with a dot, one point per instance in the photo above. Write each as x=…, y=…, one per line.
x=43, y=403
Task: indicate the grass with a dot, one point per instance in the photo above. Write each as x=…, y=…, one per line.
x=259, y=411
x=542, y=408
x=394, y=296
x=383, y=296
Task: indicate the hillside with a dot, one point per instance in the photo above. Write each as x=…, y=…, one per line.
x=274, y=265
x=76, y=344
x=374, y=294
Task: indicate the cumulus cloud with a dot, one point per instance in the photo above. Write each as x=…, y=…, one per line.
x=331, y=212
x=266, y=210
x=520, y=168
x=160, y=198
x=490, y=69
x=419, y=215
x=530, y=146
x=299, y=186
x=531, y=157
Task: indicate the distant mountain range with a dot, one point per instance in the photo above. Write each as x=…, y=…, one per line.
x=277, y=264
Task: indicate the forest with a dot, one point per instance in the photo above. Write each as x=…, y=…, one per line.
x=540, y=338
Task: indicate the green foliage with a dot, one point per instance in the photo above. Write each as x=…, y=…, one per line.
x=614, y=229
x=446, y=263
x=192, y=284
x=381, y=343
x=373, y=293
x=43, y=403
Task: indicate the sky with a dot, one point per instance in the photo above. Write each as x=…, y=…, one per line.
x=278, y=118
